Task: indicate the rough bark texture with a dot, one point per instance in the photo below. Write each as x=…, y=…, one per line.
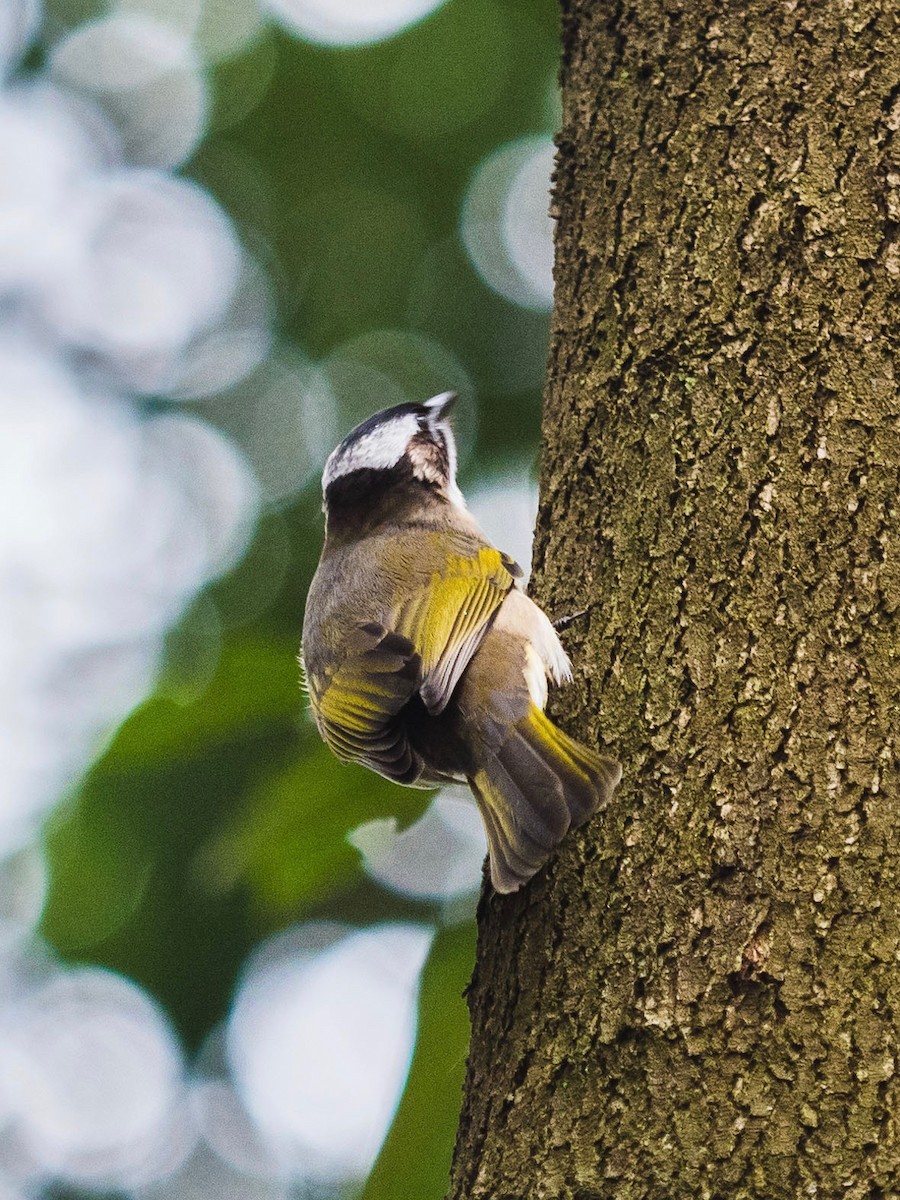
x=701, y=996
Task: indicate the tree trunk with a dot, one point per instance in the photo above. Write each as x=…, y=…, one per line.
x=700, y=997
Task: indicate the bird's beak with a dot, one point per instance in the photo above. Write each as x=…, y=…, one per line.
x=442, y=404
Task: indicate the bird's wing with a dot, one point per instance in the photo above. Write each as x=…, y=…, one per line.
x=423, y=646
x=356, y=705
x=447, y=619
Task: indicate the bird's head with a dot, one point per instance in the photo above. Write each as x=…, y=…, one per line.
x=403, y=455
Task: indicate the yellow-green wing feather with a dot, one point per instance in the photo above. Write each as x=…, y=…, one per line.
x=356, y=705
x=447, y=619
x=432, y=636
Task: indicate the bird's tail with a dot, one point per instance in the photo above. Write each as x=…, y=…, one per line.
x=531, y=790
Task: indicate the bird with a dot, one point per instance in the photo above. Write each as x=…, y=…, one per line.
x=424, y=660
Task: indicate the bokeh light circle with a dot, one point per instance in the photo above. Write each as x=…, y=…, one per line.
x=49, y=145
x=112, y=522
x=228, y=1129
x=225, y=28
x=221, y=356
x=147, y=77
x=284, y=418
x=92, y=1074
x=350, y=22
x=159, y=264
x=438, y=857
x=319, y=1044
x=505, y=223
x=527, y=226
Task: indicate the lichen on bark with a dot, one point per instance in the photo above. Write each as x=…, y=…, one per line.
x=700, y=997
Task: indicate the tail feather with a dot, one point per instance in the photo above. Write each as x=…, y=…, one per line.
x=531, y=789
x=508, y=869
x=534, y=791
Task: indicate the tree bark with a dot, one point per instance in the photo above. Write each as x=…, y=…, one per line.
x=700, y=997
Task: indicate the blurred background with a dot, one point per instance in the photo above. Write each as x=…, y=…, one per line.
x=231, y=967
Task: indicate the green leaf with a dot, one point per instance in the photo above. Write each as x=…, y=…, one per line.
x=290, y=844
x=256, y=684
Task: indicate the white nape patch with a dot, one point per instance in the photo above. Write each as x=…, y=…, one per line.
x=379, y=450
x=454, y=494
x=438, y=427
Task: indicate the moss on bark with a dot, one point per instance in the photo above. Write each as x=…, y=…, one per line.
x=700, y=997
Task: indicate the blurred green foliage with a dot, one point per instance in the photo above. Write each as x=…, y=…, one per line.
x=215, y=816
